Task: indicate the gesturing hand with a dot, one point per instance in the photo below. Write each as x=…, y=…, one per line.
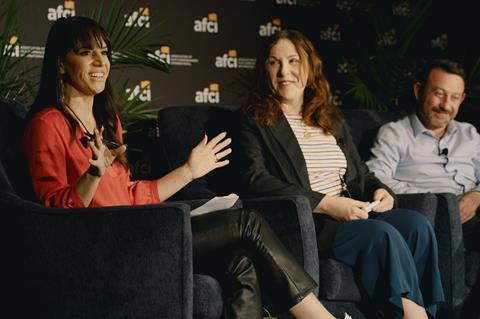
x=207, y=155
x=102, y=157
x=342, y=208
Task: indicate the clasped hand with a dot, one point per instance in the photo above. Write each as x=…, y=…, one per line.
x=385, y=200
x=208, y=155
x=102, y=156
x=344, y=208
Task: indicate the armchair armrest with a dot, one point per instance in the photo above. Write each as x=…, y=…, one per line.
x=425, y=203
x=448, y=229
x=442, y=211
x=291, y=219
x=195, y=203
x=111, y=262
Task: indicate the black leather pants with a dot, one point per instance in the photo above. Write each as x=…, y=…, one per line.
x=241, y=290
x=238, y=245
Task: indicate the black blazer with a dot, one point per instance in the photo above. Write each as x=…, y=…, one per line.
x=272, y=163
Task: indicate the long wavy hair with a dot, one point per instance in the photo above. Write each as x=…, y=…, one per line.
x=317, y=111
x=72, y=34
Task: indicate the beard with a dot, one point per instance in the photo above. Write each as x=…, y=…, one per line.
x=438, y=117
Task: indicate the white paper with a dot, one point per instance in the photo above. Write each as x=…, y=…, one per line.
x=216, y=203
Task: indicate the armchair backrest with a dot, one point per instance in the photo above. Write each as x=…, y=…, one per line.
x=364, y=125
x=14, y=175
x=180, y=129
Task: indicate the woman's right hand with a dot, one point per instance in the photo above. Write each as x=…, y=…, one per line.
x=102, y=157
x=342, y=208
x=207, y=155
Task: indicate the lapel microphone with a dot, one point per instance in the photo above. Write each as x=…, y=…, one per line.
x=340, y=142
x=90, y=137
x=443, y=152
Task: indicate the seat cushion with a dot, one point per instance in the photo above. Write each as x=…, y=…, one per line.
x=207, y=297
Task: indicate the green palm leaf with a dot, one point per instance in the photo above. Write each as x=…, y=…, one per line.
x=14, y=72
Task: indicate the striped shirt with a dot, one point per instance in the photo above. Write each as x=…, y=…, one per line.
x=326, y=163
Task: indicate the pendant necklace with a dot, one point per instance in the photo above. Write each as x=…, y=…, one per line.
x=90, y=135
x=306, y=133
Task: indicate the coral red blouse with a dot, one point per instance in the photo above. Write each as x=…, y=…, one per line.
x=56, y=162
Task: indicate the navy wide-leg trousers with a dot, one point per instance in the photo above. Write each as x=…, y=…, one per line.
x=395, y=255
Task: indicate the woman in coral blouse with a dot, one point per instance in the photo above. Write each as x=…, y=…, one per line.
x=76, y=157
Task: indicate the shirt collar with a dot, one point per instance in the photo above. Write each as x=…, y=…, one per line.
x=418, y=127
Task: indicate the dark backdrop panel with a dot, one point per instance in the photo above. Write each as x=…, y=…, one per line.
x=212, y=44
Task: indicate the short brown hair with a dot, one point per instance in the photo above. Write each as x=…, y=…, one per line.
x=445, y=65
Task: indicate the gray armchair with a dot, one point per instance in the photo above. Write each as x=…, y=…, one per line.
x=181, y=128
x=112, y=262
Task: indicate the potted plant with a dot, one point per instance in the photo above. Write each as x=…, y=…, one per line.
x=15, y=81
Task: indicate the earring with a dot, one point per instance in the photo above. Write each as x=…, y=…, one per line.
x=61, y=90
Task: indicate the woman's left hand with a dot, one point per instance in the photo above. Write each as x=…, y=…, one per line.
x=386, y=200
x=208, y=155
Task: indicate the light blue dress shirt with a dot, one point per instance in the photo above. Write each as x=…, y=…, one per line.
x=410, y=159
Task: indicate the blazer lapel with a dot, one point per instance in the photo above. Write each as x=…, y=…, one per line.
x=287, y=141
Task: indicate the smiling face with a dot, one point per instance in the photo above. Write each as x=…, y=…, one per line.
x=440, y=98
x=85, y=71
x=287, y=73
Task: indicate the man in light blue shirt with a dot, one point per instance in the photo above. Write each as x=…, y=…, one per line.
x=429, y=151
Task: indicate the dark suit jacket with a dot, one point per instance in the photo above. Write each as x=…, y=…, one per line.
x=272, y=163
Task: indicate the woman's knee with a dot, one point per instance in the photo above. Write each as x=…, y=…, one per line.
x=375, y=231
x=380, y=229
x=250, y=223
x=411, y=221
x=250, y=217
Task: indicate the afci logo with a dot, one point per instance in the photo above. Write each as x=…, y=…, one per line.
x=208, y=95
x=140, y=18
x=67, y=10
x=336, y=98
x=289, y=2
x=346, y=5
x=440, y=42
x=347, y=67
x=389, y=38
x=207, y=24
x=227, y=60
x=270, y=28
x=402, y=9
x=12, y=48
x=164, y=53
x=142, y=90
x=332, y=33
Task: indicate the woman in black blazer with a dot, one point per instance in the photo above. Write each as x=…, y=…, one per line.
x=293, y=141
